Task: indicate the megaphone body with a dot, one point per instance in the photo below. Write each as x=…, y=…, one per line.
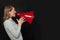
x=29, y=16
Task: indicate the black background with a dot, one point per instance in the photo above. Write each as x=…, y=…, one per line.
x=38, y=29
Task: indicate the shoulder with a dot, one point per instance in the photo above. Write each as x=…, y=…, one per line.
x=6, y=21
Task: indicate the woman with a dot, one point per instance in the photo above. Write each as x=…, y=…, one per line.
x=13, y=30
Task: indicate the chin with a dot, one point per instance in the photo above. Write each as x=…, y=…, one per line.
x=14, y=16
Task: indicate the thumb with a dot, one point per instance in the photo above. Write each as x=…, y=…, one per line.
x=17, y=19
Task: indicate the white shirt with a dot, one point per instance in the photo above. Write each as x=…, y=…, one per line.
x=13, y=30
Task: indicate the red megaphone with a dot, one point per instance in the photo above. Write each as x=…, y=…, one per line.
x=29, y=16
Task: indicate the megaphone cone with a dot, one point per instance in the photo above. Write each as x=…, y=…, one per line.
x=29, y=16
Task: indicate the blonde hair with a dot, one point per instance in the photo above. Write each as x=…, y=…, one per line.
x=7, y=9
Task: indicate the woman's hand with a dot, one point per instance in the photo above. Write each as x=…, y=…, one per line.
x=21, y=21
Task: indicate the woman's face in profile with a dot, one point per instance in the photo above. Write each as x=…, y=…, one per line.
x=12, y=12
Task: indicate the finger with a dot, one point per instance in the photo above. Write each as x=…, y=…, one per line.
x=23, y=17
x=24, y=21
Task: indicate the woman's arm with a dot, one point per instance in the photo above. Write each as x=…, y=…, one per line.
x=10, y=27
